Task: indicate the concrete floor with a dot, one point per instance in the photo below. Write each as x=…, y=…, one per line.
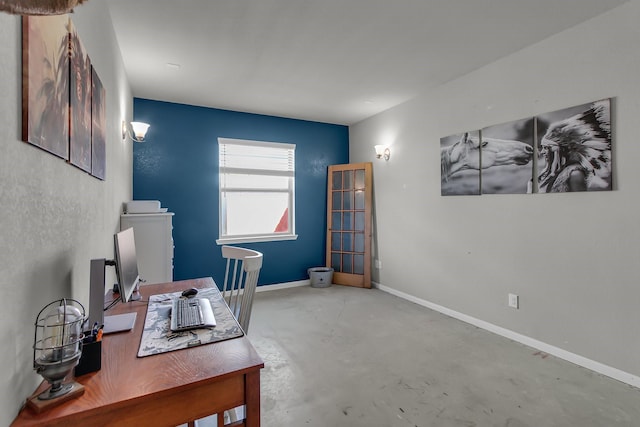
x=342, y=356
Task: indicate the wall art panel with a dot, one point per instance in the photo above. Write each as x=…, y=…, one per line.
x=98, y=127
x=45, y=83
x=80, y=104
x=460, y=164
x=575, y=149
x=507, y=157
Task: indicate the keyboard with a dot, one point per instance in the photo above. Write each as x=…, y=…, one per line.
x=191, y=313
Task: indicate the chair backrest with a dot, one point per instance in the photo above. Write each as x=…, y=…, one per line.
x=240, y=281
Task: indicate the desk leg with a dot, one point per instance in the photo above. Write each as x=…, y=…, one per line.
x=252, y=398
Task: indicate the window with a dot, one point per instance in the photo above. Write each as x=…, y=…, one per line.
x=256, y=191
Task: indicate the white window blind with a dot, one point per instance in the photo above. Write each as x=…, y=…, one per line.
x=256, y=190
x=264, y=157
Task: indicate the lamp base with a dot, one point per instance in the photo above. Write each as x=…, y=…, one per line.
x=39, y=404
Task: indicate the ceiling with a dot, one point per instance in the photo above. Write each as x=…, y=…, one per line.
x=334, y=61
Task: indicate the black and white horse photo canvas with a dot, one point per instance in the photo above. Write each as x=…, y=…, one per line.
x=507, y=157
x=460, y=164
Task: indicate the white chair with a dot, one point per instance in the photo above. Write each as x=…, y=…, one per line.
x=240, y=281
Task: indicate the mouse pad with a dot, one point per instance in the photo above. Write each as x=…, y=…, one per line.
x=158, y=338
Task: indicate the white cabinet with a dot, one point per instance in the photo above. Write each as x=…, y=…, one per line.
x=154, y=244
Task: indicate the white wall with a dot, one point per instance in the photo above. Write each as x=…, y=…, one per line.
x=54, y=218
x=572, y=258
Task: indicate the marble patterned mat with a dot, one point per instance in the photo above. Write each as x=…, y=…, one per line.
x=158, y=338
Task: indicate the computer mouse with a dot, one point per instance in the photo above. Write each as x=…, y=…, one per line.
x=189, y=293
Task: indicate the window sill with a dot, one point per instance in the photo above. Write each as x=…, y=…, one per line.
x=255, y=239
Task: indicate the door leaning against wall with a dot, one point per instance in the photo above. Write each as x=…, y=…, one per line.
x=349, y=224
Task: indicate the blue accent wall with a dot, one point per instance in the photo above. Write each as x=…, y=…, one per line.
x=178, y=165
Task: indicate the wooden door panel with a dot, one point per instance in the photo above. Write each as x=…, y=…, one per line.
x=349, y=224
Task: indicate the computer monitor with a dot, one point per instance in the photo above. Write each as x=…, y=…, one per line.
x=126, y=265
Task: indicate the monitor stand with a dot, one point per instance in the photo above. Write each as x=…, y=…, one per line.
x=135, y=295
x=113, y=323
x=119, y=322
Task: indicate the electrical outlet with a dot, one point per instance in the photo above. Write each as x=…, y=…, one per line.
x=514, y=301
x=378, y=264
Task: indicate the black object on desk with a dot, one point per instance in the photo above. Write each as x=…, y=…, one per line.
x=91, y=358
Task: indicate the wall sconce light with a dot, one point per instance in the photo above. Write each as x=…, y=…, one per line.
x=382, y=152
x=139, y=131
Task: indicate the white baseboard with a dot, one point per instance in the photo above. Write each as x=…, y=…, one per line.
x=598, y=367
x=286, y=285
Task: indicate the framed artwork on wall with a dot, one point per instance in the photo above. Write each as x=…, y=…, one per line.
x=575, y=149
x=507, y=157
x=80, y=103
x=460, y=164
x=568, y=150
x=45, y=83
x=63, y=100
x=98, y=127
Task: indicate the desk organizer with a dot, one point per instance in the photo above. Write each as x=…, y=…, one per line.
x=91, y=358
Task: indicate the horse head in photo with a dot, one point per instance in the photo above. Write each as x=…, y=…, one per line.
x=465, y=154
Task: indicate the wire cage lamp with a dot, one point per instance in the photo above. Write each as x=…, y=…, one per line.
x=57, y=345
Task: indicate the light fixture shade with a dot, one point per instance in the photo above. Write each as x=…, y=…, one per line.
x=139, y=130
x=39, y=7
x=382, y=151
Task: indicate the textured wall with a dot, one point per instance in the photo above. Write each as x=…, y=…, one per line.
x=178, y=165
x=571, y=257
x=53, y=217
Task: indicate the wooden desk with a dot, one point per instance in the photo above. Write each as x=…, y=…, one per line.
x=167, y=389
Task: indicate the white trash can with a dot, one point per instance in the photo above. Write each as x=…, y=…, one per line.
x=320, y=277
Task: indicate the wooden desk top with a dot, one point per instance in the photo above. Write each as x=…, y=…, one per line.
x=128, y=382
